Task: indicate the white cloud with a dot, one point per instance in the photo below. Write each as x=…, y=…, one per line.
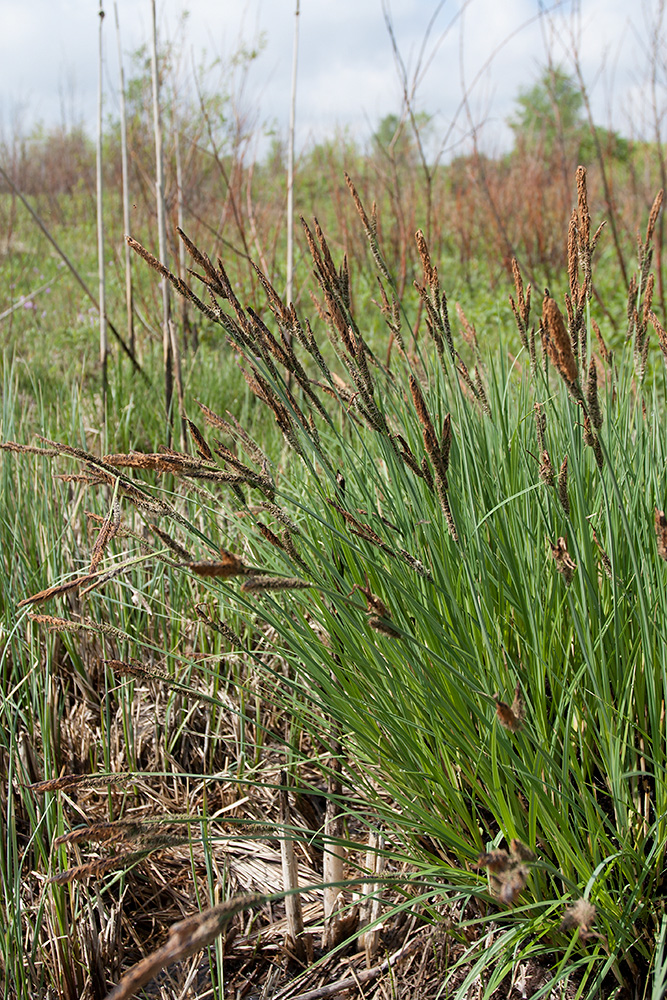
x=48, y=48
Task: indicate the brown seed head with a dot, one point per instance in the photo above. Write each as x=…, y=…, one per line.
x=200, y=442
x=261, y=584
x=562, y=488
x=653, y=216
x=582, y=915
x=572, y=256
x=508, y=873
x=521, y=851
x=604, y=350
x=558, y=344
x=546, y=471
x=229, y=565
x=495, y=861
x=563, y=559
x=592, y=400
x=661, y=532
x=660, y=330
x=582, y=204
x=511, y=718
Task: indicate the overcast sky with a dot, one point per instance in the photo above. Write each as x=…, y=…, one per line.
x=347, y=74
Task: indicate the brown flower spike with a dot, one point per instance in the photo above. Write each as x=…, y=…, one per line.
x=564, y=562
x=582, y=915
x=508, y=872
x=557, y=341
x=511, y=717
x=661, y=532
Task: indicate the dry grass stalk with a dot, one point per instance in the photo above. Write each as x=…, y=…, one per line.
x=341, y=327
x=260, y=387
x=660, y=524
x=383, y=626
x=185, y=938
x=406, y=454
x=234, y=429
x=653, y=216
x=437, y=324
x=293, y=910
x=291, y=549
x=178, y=464
x=508, y=872
x=583, y=226
x=631, y=308
x=430, y=272
x=640, y=321
x=204, y=261
x=97, y=520
x=428, y=430
x=562, y=488
x=426, y=473
x=584, y=218
x=564, y=562
x=333, y=861
x=281, y=351
x=80, y=477
x=477, y=385
x=416, y=564
x=365, y=532
x=371, y=905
